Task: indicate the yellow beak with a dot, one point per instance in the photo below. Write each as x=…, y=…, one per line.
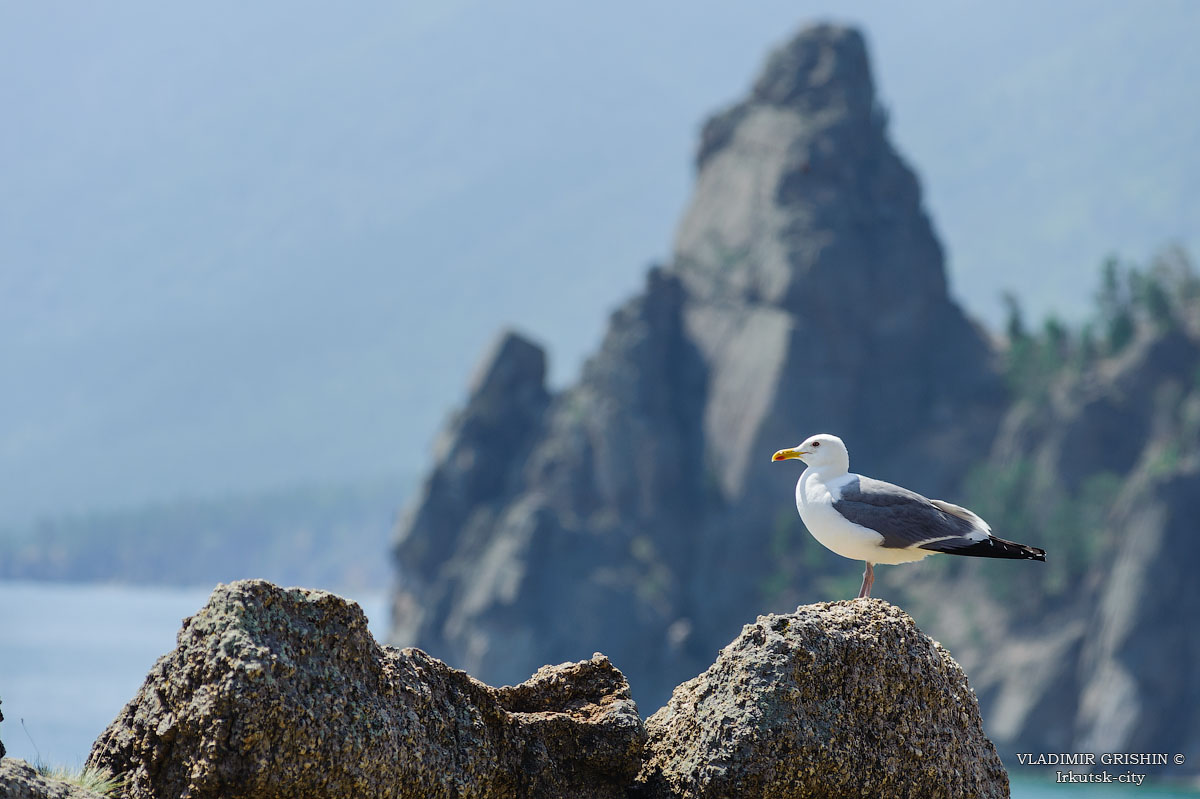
x=787, y=454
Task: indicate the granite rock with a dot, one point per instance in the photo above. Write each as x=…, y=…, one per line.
x=842, y=699
x=274, y=693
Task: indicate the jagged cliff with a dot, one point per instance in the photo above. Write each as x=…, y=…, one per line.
x=1107, y=460
x=637, y=511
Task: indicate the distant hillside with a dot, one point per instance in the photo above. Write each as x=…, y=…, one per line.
x=318, y=536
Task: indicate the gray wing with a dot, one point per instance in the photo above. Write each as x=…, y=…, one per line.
x=906, y=519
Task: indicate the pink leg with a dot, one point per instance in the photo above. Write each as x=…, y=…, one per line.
x=868, y=580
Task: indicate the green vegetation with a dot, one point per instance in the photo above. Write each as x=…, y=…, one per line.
x=997, y=493
x=1166, y=459
x=99, y=781
x=1022, y=504
x=1157, y=297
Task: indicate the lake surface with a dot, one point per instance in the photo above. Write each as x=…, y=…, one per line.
x=71, y=656
x=1031, y=785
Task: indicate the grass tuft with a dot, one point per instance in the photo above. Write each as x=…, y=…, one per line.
x=101, y=781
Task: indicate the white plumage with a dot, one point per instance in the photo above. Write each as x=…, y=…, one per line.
x=865, y=519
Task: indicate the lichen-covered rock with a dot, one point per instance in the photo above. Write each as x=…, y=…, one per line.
x=837, y=700
x=19, y=780
x=275, y=693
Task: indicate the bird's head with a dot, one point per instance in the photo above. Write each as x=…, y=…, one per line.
x=823, y=452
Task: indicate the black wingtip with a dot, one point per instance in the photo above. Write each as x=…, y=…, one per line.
x=992, y=547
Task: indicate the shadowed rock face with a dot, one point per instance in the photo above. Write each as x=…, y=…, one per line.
x=275, y=693
x=840, y=700
x=636, y=511
x=582, y=550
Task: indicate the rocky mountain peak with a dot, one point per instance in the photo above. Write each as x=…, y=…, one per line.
x=823, y=66
x=477, y=457
x=807, y=292
x=514, y=367
x=507, y=397
x=802, y=202
x=806, y=238
x=638, y=512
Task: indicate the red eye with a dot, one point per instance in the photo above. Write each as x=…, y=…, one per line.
x=816, y=444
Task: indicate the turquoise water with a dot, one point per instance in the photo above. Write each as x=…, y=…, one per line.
x=1034, y=785
x=71, y=656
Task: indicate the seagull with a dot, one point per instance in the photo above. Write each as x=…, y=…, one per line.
x=877, y=522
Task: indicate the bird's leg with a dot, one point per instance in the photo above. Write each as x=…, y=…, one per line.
x=868, y=580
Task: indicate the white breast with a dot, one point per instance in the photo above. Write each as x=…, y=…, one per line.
x=814, y=500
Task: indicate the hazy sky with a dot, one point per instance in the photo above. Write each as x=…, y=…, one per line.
x=248, y=245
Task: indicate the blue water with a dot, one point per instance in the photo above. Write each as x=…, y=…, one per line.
x=71, y=656
x=1031, y=784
